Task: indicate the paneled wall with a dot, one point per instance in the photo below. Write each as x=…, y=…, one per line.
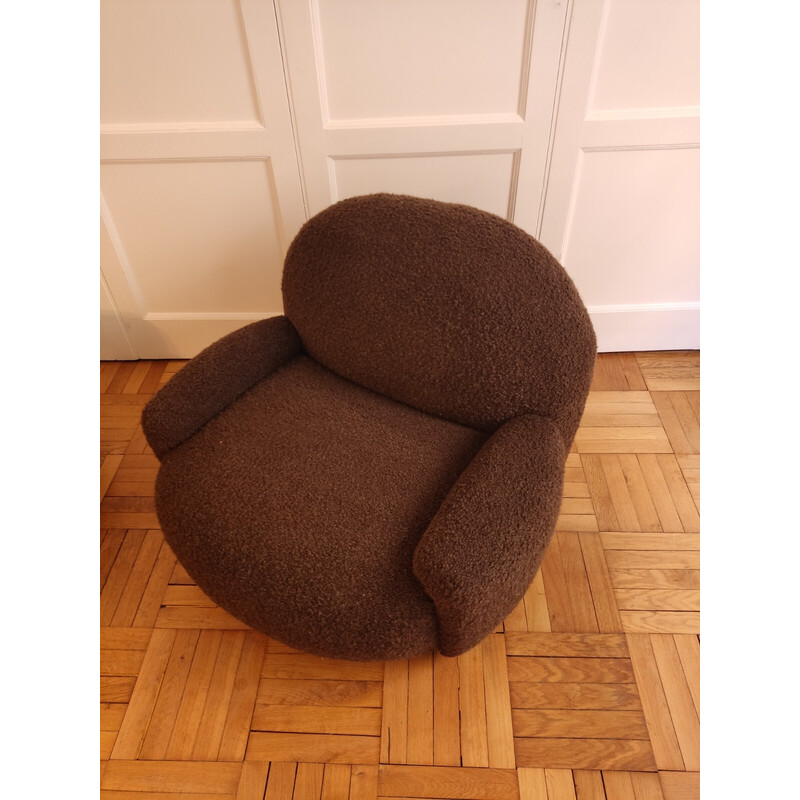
x=226, y=124
x=199, y=178
x=622, y=203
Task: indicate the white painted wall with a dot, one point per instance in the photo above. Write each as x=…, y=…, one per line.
x=226, y=123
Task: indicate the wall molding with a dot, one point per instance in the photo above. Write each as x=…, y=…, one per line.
x=646, y=326
x=192, y=316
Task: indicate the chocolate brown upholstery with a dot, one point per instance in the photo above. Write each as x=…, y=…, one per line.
x=378, y=473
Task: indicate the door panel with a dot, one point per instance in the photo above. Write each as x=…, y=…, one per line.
x=199, y=180
x=448, y=99
x=415, y=58
x=621, y=208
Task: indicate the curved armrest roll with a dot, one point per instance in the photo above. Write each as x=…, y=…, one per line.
x=481, y=550
x=214, y=378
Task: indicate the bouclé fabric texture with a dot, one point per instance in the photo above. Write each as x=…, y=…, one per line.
x=377, y=474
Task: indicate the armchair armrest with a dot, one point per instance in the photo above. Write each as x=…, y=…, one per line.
x=214, y=378
x=481, y=550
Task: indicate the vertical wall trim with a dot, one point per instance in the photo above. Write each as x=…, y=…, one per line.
x=287, y=82
x=562, y=57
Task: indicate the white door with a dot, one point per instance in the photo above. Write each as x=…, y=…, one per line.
x=621, y=208
x=227, y=122
x=449, y=99
x=200, y=187
x=577, y=120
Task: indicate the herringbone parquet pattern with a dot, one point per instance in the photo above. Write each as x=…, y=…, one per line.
x=589, y=689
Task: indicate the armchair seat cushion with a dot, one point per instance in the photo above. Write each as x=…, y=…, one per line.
x=299, y=506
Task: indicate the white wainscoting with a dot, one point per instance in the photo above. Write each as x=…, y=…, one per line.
x=227, y=123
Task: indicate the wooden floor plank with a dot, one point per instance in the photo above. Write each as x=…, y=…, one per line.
x=580, y=593
x=362, y=694
x=243, y=697
x=153, y=377
x=281, y=779
x=655, y=578
x=172, y=776
x=675, y=371
x=639, y=491
x=556, y=589
x=308, y=781
x=573, y=724
x=624, y=754
x=599, y=696
x=681, y=497
x=618, y=785
x=140, y=574
x=537, y=611
x=184, y=731
x=394, y=728
x=220, y=691
x=680, y=785
x=576, y=645
x=159, y=728
x=646, y=786
x=446, y=717
x=109, y=549
x=145, y=693
x=420, y=710
x=452, y=782
x=472, y=704
x=567, y=670
x=155, y=589
x=658, y=599
x=364, y=782
x=252, y=781
x=661, y=621
x=315, y=748
x=560, y=784
x=108, y=469
x=336, y=782
x=654, y=703
x=115, y=689
x=532, y=783
x=623, y=439
x=603, y=596
x=278, y=665
x=317, y=719
x=118, y=575
x=197, y=617
x=589, y=784
x=688, y=648
x=499, y=729
x=108, y=369
x=679, y=699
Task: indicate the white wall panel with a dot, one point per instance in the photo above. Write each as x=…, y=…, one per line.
x=199, y=236
x=114, y=343
x=226, y=123
x=430, y=97
x=621, y=207
x=413, y=58
x=481, y=180
x=649, y=55
x=200, y=189
x=633, y=236
x=174, y=61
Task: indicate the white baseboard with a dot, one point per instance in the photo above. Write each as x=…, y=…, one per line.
x=651, y=326
x=621, y=328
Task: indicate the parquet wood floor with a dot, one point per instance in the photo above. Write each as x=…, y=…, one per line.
x=588, y=691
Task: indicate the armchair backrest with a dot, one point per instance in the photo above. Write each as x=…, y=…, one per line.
x=443, y=307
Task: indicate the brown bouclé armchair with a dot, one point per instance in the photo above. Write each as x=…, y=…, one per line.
x=377, y=474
